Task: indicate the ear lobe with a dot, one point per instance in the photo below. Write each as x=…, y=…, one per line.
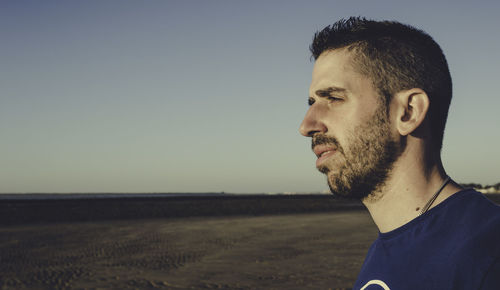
x=412, y=105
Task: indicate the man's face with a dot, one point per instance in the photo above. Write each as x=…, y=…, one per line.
x=349, y=126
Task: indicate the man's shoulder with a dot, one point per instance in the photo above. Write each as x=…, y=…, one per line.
x=453, y=246
x=474, y=208
x=476, y=225
x=472, y=214
x=470, y=203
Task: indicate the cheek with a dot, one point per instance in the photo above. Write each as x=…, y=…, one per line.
x=338, y=125
x=348, y=135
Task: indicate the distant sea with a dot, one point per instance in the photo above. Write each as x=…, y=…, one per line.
x=57, y=196
x=43, y=196
x=29, y=208
x=59, y=207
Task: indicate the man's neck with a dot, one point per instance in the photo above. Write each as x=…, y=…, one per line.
x=407, y=190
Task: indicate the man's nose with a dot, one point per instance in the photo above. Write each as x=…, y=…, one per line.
x=312, y=123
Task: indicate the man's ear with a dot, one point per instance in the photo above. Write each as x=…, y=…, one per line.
x=411, y=108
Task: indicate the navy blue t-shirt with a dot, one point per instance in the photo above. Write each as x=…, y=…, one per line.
x=455, y=245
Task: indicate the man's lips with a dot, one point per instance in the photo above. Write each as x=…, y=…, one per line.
x=323, y=152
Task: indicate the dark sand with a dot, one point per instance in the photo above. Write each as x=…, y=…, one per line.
x=296, y=251
x=257, y=242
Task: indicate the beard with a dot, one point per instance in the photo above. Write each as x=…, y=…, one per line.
x=364, y=163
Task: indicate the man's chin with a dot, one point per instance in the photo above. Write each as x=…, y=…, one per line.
x=331, y=169
x=343, y=188
x=337, y=187
x=343, y=194
x=323, y=169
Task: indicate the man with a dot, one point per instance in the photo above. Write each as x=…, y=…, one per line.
x=379, y=100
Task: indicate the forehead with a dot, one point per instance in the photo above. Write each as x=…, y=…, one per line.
x=335, y=68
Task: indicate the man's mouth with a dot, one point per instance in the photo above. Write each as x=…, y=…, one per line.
x=323, y=152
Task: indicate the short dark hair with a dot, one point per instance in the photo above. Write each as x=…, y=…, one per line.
x=395, y=57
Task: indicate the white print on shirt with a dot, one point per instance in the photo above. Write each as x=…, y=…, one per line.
x=376, y=282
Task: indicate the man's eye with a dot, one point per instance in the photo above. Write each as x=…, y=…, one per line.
x=334, y=99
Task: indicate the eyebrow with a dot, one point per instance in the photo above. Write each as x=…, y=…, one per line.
x=329, y=91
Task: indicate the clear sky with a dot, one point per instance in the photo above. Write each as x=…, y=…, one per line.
x=206, y=96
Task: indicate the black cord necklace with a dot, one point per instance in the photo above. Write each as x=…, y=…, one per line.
x=433, y=198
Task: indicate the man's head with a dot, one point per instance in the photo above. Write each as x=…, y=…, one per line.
x=395, y=57
x=361, y=65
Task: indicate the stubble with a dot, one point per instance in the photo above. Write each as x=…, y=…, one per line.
x=363, y=164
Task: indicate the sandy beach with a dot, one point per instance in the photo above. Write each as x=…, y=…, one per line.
x=252, y=242
x=296, y=251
